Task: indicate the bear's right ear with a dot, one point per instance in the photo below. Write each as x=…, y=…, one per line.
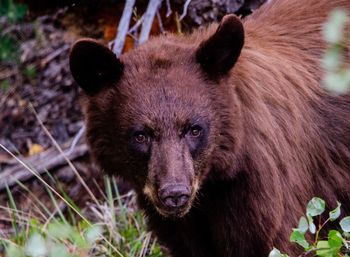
x=94, y=66
x=219, y=53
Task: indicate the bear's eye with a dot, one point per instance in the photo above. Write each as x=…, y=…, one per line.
x=141, y=137
x=195, y=131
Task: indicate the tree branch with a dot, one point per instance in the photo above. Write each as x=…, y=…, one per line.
x=123, y=27
x=151, y=11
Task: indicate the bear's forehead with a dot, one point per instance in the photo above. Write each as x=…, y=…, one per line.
x=160, y=55
x=161, y=83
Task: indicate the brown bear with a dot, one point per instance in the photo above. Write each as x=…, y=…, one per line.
x=225, y=134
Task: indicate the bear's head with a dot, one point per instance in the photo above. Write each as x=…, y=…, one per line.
x=152, y=115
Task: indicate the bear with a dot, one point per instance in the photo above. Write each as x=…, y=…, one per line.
x=226, y=133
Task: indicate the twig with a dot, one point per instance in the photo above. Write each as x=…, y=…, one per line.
x=76, y=140
x=134, y=30
x=184, y=13
x=160, y=23
x=151, y=11
x=168, y=8
x=136, y=25
x=53, y=55
x=178, y=23
x=123, y=27
x=7, y=73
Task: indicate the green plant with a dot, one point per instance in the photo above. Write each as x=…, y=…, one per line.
x=116, y=230
x=4, y=85
x=8, y=49
x=335, y=244
x=30, y=71
x=337, y=72
x=14, y=12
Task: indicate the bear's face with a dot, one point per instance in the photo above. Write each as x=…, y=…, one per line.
x=151, y=117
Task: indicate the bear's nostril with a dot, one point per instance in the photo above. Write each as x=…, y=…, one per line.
x=174, y=196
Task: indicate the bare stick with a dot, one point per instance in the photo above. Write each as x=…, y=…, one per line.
x=184, y=13
x=136, y=25
x=168, y=8
x=151, y=11
x=76, y=140
x=160, y=22
x=123, y=27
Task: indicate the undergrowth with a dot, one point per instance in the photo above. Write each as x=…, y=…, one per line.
x=334, y=244
x=115, y=228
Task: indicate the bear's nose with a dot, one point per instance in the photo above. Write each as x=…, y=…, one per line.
x=174, y=196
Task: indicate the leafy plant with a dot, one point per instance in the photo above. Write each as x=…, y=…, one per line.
x=14, y=12
x=337, y=73
x=336, y=244
x=4, y=85
x=8, y=49
x=116, y=230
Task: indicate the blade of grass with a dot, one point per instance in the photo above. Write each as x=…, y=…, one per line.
x=63, y=154
x=12, y=215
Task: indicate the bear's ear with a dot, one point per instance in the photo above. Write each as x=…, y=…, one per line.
x=218, y=54
x=94, y=66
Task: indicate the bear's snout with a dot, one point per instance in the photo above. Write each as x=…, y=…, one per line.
x=174, y=196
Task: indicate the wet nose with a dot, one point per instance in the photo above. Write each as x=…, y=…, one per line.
x=174, y=196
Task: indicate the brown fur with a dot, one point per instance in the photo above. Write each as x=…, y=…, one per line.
x=275, y=138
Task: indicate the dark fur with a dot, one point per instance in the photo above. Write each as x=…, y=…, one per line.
x=274, y=140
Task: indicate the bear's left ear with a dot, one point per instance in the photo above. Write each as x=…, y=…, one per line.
x=218, y=54
x=94, y=66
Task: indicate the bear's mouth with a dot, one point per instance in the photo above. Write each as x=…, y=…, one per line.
x=172, y=212
x=172, y=201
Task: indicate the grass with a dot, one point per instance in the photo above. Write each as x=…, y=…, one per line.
x=115, y=227
x=111, y=226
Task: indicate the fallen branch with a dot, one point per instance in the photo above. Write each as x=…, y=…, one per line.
x=53, y=55
x=45, y=161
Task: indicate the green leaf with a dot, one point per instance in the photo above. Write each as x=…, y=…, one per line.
x=276, y=253
x=345, y=224
x=303, y=225
x=315, y=207
x=59, y=250
x=36, y=246
x=299, y=238
x=30, y=71
x=325, y=250
x=334, y=29
x=334, y=214
x=338, y=82
x=332, y=59
x=335, y=240
x=93, y=233
x=14, y=251
x=5, y=85
x=312, y=227
x=8, y=49
x=78, y=239
x=60, y=231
